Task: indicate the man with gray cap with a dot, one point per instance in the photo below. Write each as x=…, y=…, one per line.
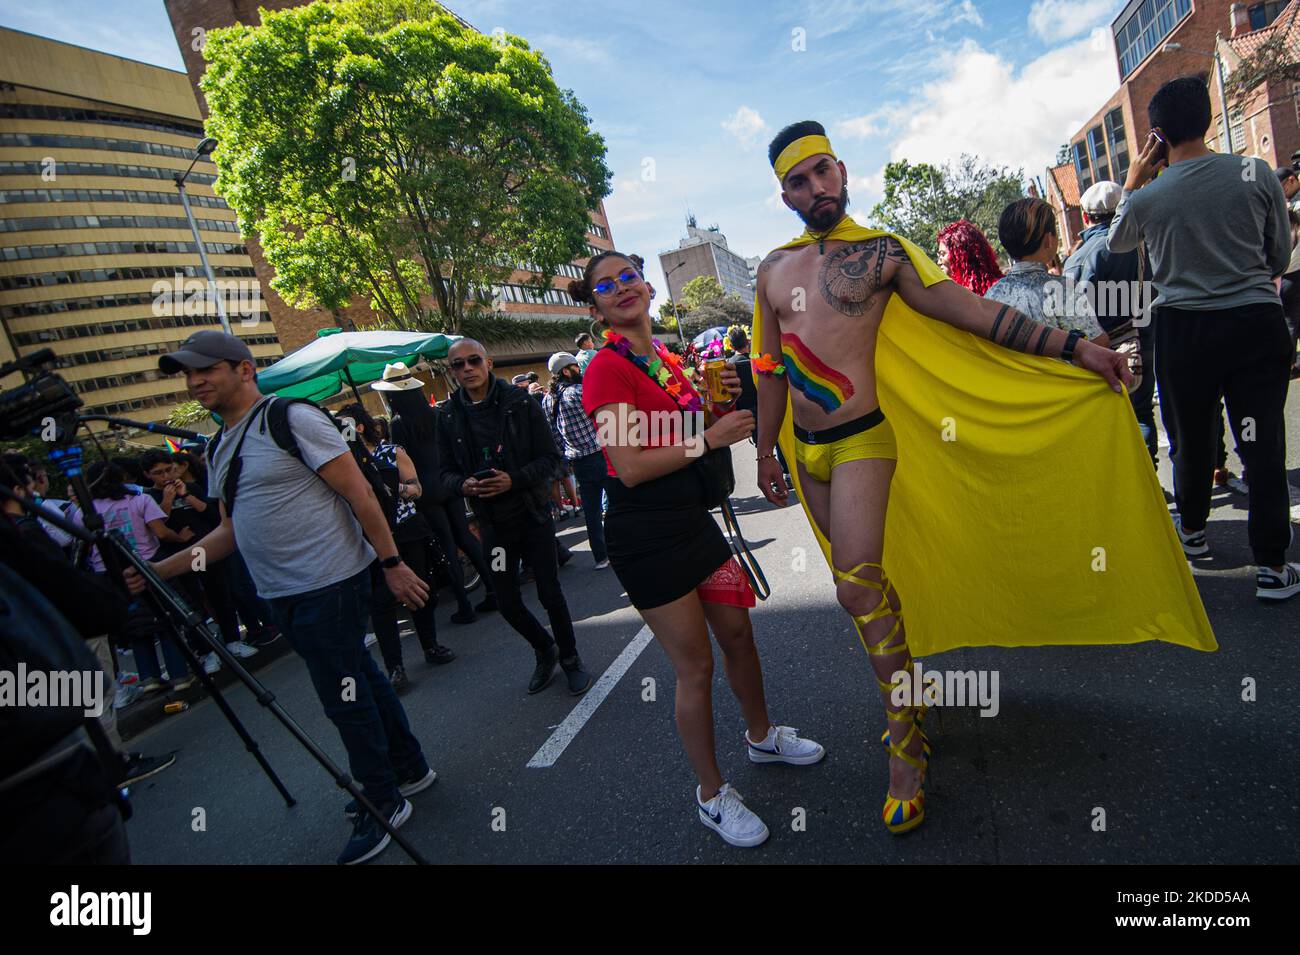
x=308, y=525
x=581, y=447
x=1115, y=289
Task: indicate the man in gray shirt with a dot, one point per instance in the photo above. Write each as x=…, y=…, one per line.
x=302, y=522
x=1217, y=233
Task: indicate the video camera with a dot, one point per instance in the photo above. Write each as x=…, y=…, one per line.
x=44, y=395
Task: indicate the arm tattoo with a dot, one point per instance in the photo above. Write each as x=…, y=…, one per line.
x=770, y=261
x=852, y=275
x=1020, y=330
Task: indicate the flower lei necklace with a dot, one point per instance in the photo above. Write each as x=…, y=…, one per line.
x=657, y=370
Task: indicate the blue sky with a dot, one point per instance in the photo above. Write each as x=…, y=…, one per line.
x=687, y=94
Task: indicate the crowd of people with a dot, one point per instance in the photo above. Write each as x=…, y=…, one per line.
x=389, y=492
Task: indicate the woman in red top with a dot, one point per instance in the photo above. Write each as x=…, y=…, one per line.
x=668, y=552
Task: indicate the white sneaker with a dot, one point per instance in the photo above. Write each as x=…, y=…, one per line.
x=1194, y=542
x=371, y=639
x=783, y=745
x=601, y=565
x=1270, y=585
x=241, y=649
x=211, y=662
x=728, y=816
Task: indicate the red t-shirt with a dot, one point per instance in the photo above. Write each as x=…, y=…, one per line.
x=611, y=379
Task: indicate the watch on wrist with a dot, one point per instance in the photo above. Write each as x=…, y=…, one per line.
x=388, y=563
x=1071, y=341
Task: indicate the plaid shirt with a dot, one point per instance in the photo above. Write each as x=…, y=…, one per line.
x=578, y=435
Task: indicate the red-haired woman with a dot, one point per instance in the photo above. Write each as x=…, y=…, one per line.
x=967, y=257
x=663, y=543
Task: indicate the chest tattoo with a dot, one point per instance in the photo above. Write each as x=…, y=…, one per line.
x=852, y=276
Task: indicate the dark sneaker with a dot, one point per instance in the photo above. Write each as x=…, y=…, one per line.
x=439, y=655
x=1272, y=585
x=564, y=556
x=410, y=787
x=399, y=679
x=464, y=616
x=545, y=670
x=368, y=839
x=487, y=605
x=140, y=766
x=579, y=679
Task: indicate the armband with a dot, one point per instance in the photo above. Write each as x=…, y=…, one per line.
x=767, y=365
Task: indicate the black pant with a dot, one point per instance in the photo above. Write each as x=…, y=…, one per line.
x=383, y=605
x=451, y=530
x=1242, y=354
x=535, y=544
x=65, y=816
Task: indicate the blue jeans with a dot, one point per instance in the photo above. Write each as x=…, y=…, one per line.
x=590, y=474
x=327, y=629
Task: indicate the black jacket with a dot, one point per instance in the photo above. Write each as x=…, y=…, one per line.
x=528, y=453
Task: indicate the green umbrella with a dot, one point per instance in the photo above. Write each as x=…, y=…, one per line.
x=337, y=360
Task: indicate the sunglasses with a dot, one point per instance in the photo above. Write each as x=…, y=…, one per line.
x=627, y=278
x=472, y=360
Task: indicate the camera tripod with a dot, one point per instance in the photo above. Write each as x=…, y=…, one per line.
x=181, y=621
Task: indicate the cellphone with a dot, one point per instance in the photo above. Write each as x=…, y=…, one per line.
x=1160, y=138
x=484, y=474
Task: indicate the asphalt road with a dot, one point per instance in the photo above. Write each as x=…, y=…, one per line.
x=1155, y=735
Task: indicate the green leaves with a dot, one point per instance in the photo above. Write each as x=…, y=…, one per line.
x=373, y=143
x=701, y=290
x=920, y=199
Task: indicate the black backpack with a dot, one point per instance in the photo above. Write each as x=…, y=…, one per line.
x=277, y=422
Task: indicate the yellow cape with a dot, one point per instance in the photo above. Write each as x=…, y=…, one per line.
x=1040, y=520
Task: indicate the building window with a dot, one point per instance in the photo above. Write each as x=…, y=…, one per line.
x=1097, y=151
x=1118, y=141
x=1237, y=127
x=1145, y=29
x=1262, y=14
x=1082, y=169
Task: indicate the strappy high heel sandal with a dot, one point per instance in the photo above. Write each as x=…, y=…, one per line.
x=885, y=589
x=899, y=815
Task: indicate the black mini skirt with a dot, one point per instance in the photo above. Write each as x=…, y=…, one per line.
x=661, y=539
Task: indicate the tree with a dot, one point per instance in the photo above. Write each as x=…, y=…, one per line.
x=920, y=199
x=725, y=311
x=1272, y=61
x=668, y=315
x=701, y=290
x=382, y=148
x=186, y=414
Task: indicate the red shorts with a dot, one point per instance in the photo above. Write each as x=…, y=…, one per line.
x=728, y=585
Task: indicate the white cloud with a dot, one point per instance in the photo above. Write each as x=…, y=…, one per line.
x=746, y=125
x=966, y=12
x=875, y=123
x=981, y=104
x=1055, y=20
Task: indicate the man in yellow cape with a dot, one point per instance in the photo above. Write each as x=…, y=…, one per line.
x=1023, y=509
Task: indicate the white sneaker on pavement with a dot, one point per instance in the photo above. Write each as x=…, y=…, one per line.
x=241, y=649
x=783, y=745
x=1194, y=544
x=1271, y=585
x=728, y=816
x=211, y=662
x=371, y=639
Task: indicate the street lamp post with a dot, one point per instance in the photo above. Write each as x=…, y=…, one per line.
x=677, y=314
x=205, y=147
x=1218, y=81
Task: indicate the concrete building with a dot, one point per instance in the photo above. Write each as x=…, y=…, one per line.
x=1156, y=41
x=705, y=252
x=190, y=20
x=97, y=261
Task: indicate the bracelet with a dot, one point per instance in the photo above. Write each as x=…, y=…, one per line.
x=1071, y=340
x=764, y=457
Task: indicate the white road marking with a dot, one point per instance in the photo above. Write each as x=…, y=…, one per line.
x=577, y=719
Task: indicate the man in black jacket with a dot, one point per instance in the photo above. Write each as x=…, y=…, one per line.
x=497, y=450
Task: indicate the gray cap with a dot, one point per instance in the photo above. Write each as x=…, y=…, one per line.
x=203, y=350
x=559, y=361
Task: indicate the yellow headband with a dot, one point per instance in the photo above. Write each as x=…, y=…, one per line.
x=798, y=151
